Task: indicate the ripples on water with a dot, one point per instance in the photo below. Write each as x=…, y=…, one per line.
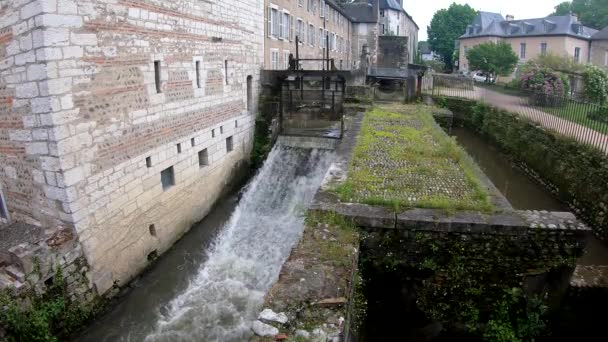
x=245, y=260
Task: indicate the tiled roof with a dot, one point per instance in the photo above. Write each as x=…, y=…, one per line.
x=362, y=12
x=493, y=24
x=390, y=4
x=601, y=35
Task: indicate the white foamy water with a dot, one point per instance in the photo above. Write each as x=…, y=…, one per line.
x=228, y=291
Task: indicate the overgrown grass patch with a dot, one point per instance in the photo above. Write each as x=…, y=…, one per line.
x=403, y=159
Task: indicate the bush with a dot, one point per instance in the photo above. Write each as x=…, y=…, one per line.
x=49, y=317
x=545, y=81
x=548, y=86
x=600, y=115
x=516, y=318
x=596, y=84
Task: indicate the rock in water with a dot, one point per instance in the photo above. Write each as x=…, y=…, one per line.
x=264, y=330
x=272, y=317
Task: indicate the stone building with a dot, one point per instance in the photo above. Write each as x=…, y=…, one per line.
x=364, y=15
x=599, y=48
x=394, y=21
x=349, y=26
x=122, y=120
x=312, y=21
x=561, y=35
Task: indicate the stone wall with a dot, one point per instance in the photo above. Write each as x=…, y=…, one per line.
x=393, y=52
x=575, y=172
x=599, y=49
x=98, y=97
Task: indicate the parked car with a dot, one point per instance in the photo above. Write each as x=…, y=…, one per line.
x=481, y=77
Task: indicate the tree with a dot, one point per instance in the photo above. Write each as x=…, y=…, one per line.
x=493, y=59
x=446, y=27
x=592, y=13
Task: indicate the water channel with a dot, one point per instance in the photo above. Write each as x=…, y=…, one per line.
x=211, y=285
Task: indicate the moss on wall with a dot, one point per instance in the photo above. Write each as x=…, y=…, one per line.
x=576, y=172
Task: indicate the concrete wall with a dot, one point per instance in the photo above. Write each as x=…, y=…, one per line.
x=81, y=114
x=393, y=52
x=332, y=21
x=599, y=53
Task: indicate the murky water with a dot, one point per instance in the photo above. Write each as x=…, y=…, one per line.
x=520, y=190
x=226, y=284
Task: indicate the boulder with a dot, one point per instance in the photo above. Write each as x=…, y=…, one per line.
x=269, y=316
x=264, y=330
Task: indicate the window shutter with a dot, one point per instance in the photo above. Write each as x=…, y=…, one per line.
x=269, y=21
x=280, y=32
x=291, y=27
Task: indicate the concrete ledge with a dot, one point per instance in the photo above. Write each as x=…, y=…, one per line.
x=512, y=222
x=308, y=142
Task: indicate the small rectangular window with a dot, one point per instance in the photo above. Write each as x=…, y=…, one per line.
x=249, y=92
x=221, y=129
x=192, y=142
x=198, y=74
x=157, y=76
x=577, y=55
x=229, y=144
x=236, y=123
x=149, y=161
x=522, y=50
x=213, y=133
x=3, y=208
x=543, y=48
x=167, y=178
x=203, y=158
x=179, y=148
x=226, y=70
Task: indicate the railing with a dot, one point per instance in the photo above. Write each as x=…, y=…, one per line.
x=569, y=115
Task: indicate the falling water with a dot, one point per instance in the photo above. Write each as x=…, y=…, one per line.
x=245, y=260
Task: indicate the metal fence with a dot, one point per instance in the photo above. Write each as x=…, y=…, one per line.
x=569, y=115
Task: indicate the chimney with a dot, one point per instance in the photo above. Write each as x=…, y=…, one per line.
x=510, y=17
x=574, y=16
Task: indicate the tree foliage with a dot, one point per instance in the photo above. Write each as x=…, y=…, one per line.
x=561, y=63
x=596, y=84
x=446, y=27
x=592, y=13
x=495, y=59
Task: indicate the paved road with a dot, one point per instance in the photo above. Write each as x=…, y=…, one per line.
x=520, y=106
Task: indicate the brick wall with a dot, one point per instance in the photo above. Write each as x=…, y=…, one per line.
x=85, y=133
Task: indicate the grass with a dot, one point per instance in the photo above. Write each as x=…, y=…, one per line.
x=403, y=160
x=577, y=112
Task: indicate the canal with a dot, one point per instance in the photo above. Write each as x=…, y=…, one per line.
x=211, y=285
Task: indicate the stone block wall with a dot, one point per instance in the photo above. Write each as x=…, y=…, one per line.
x=98, y=97
x=393, y=52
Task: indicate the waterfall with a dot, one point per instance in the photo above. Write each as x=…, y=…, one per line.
x=245, y=260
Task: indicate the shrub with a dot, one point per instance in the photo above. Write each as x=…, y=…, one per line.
x=545, y=81
x=596, y=84
x=47, y=317
x=548, y=87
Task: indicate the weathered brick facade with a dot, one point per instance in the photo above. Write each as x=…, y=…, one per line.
x=97, y=97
